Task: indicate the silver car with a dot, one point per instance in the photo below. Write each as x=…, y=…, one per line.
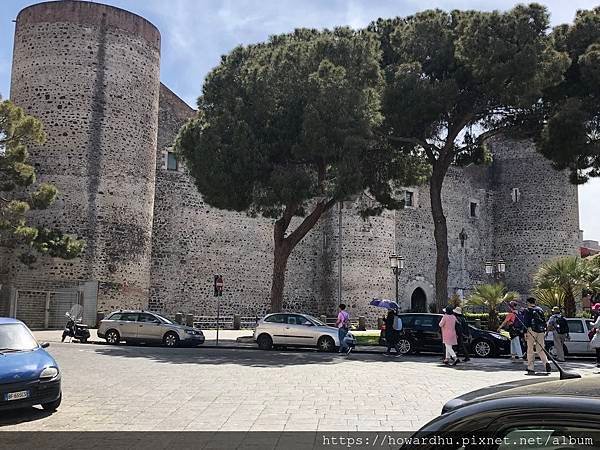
x=297, y=330
x=145, y=326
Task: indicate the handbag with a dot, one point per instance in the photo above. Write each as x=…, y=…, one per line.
x=397, y=323
x=591, y=334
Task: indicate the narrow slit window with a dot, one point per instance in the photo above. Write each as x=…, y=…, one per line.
x=516, y=195
x=172, y=161
x=474, y=209
x=409, y=199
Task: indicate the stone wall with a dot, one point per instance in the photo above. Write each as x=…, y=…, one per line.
x=193, y=241
x=90, y=73
x=542, y=223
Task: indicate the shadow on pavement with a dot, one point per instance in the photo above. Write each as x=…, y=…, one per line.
x=283, y=358
x=14, y=417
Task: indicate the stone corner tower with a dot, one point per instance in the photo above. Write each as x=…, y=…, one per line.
x=90, y=73
x=535, y=212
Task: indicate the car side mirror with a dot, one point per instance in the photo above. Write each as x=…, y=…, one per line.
x=45, y=344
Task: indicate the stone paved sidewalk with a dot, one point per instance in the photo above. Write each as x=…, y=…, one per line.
x=153, y=388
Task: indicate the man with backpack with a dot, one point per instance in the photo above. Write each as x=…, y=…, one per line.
x=535, y=324
x=559, y=327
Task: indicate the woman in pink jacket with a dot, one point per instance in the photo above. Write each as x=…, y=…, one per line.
x=449, y=338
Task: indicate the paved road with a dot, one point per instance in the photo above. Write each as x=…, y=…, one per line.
x=154, y=388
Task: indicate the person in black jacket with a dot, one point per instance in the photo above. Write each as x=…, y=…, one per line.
x=463, y=333
x=391, y=335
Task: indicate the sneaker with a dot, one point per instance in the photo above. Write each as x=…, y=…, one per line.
x=454, y=361
x=445, y=361
x=530, y=372
x=349, y=350
x=548, y=368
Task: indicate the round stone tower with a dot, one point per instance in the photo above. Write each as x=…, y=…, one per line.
x=90, y=73
x=536, y=214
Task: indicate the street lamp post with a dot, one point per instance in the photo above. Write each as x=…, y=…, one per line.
x=397, y=264
x=495, y=269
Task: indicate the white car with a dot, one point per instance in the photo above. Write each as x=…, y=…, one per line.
x=579, y=342
x=297, y=330
x=144, y=326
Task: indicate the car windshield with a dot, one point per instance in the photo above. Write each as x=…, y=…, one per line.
x=16, y=337
x=162, y=318
x=315, y=320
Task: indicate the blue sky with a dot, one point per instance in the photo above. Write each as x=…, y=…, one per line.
x=195, y=33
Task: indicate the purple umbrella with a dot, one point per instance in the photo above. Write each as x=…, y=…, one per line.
x=381, y=303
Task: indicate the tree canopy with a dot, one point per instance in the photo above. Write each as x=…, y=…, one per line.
x=285, y=128
x=18, y=193
x=569, y=126
x=455, y=79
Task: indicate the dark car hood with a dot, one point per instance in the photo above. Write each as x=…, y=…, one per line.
x=23, y=366
x=588, y=387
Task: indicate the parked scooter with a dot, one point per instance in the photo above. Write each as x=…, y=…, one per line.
x=75, y=329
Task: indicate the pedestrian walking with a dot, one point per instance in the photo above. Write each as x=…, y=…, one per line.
x=463, y=333
x=535, y=324
x=343, y=325
x=559, y=328
x=515, y=330
x=393, y=325
x=595, y=342
x=449, y=338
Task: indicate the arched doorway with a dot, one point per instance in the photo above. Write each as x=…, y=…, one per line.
x=418, y=301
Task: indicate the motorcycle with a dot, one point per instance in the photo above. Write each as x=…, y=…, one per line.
x=75, y=329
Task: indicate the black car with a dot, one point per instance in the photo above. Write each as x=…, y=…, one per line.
x=421, y=333
x=524, y=414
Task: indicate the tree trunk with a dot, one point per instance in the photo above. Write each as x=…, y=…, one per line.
x=440, y=232
x=570, y=307
x=283, y=246
x=281, y=255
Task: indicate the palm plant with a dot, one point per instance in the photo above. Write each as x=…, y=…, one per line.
x=490, y=296
x=571, y=274
x=549, y=296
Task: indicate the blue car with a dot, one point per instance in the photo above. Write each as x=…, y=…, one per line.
x=28, y=374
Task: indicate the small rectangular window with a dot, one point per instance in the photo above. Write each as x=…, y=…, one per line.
x=474, y=209
x=172, y=161
x=409, y=199
x=515, y=194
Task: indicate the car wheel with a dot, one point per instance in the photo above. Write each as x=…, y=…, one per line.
x=483, y=348
x=405, y=346
x=113, y=337
x=326, y=344
x=52, y=406
x=171, y=339
x=265, y=342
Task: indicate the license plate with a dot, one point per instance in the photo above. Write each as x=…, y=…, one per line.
x=16, y=395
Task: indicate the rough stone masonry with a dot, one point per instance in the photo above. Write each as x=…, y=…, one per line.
x=90, y=72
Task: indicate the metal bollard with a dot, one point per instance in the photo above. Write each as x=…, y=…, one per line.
x=179, y=318
x=189, y=320
x=237, y=321
x=362, y=323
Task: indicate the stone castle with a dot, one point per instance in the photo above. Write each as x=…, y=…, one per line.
x=90, y=72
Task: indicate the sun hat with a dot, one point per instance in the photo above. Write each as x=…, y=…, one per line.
x=457, y=310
